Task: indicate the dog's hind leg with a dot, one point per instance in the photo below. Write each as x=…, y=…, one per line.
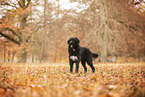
x=91, y=65
x=84, y=65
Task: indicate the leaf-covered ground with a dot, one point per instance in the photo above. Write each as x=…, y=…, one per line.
x=54, y=80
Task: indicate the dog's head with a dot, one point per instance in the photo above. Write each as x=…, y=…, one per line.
x=73, y=42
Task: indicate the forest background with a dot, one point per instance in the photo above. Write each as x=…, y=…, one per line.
x=38, y=30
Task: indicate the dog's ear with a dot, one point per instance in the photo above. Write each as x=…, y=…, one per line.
x=77, y=40
x=68, y=41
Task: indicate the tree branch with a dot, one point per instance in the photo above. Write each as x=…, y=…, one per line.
x=5, y=3
x=20, y=4
x=122, y=22
x=12, y=31
x=32, y=34
x=29, y=1
x=9, y=38
x=5, y=27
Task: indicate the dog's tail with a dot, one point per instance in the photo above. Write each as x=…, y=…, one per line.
x=94, y=55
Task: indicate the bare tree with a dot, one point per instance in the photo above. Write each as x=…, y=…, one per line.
x=19, y=34
x=117, y=27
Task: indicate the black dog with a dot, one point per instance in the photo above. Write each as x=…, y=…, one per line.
x=77, y=54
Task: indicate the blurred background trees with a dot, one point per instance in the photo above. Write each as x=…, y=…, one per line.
x=37, y=30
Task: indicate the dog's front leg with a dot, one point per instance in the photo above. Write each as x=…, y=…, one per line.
x=77, y=63
x=77, y=67
x=71, y=66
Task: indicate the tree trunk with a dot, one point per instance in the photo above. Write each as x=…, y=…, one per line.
x=23, y=53
x=55, y=53
x=58, y=12
x=42, y=53
x=4, y=53
x=104, y=34
x=43, y=45
x=33, y=56
x=8, y=56
x=24, y=56
x=14, y=52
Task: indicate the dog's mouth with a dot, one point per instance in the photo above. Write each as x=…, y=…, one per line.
x=71, y=46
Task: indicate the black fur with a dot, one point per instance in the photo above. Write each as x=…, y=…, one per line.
x=77, y=54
